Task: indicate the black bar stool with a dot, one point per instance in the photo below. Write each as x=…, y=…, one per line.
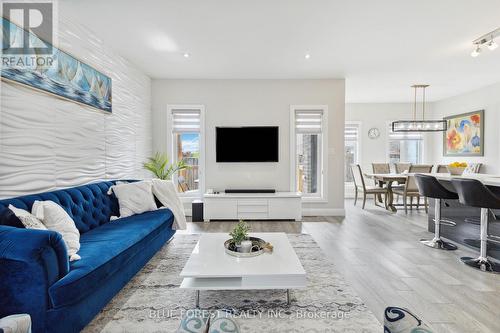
x=476, y=242
x=430, y=187
x=473, y=193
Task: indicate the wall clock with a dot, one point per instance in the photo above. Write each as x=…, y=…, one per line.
x=373, y=133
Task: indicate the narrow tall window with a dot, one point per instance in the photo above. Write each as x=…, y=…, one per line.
x=405, y=147
x=351, y=149
x=187, y=145
x=308, y=139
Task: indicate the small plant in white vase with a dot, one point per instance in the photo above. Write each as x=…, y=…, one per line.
x=239, y=236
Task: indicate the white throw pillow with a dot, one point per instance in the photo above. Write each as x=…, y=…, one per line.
x=18, y=323
x=134, y=198
x=54, y=217
x=27, y=219
x=166, y=193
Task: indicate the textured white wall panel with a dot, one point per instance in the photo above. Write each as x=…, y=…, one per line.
x=48, y=143
x=27, y=154
x=79, y=148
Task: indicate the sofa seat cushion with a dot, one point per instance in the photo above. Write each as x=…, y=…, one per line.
x=105, y=250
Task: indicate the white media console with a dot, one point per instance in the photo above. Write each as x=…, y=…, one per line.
x=253, y=206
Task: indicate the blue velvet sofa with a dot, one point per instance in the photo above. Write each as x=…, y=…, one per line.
x=61, y=296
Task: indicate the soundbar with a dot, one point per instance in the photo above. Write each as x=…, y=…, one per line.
x=250, y=191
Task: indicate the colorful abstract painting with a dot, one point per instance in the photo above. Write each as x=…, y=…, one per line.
x=465, y=135
x=63, y=76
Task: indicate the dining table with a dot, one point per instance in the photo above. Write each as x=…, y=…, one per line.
x=388, y=179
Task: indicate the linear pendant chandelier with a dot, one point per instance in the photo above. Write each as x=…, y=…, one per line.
x=419, y=125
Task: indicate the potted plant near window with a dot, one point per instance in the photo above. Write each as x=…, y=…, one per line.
x=159, y=166
x=239, y=236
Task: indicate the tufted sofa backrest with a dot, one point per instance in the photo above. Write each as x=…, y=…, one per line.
x=89, y=205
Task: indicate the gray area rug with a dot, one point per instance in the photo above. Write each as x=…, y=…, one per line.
x=153, y=302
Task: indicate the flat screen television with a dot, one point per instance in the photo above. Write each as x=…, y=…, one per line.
x=247, y=144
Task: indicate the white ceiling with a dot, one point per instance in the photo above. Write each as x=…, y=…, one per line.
x=381, y=47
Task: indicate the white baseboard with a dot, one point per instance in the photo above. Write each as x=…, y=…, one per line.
x=323, y=212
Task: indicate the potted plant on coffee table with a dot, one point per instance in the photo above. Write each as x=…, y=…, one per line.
x=239, y=235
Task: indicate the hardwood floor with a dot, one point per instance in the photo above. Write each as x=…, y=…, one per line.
x=380, y=256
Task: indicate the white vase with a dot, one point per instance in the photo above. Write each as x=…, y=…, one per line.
x=246, y=246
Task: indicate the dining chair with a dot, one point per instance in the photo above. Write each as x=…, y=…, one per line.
x=359, y=185
x=442, y=168
x=420, y=168
x=380, y=168
x=402, y=167
x=410, y=189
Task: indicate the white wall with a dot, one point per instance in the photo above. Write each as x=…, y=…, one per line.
x=379, y=115
x=256, y=102
x=48, y=143
x=487, y=98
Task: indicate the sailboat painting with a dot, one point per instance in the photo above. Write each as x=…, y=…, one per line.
x=63, y=76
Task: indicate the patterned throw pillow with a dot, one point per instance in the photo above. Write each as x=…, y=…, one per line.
x=8, y=218
x=194, y=321
x=134, y=198
x=400, y=320
x=54, y=217
x=472, y=168
x=27, y=219
x=223, y=323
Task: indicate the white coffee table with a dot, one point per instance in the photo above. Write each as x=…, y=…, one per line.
x=210, y=268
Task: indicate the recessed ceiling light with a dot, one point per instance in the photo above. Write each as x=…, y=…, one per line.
x=307, y=56
x=186, y=55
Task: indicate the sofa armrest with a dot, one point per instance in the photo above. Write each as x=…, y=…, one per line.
x=30, y=262
x=30, y=245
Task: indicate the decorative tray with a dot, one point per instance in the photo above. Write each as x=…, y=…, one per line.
x=257, y=248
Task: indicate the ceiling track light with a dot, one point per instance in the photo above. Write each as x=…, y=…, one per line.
x=487, y=40
x=492, y=45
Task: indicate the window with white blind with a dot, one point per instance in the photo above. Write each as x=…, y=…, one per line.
x=307, y=146
x=186, y=125
x=351, y=148
x=405, y=147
